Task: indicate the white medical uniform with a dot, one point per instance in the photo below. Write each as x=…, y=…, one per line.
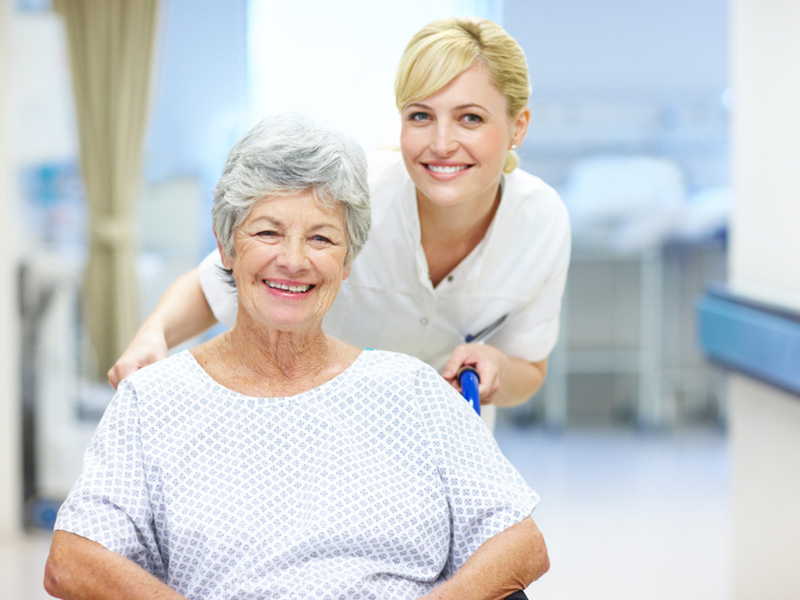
x=518, y=271
x=380, y=483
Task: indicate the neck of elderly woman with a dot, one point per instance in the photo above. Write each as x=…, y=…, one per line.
x=268, y=363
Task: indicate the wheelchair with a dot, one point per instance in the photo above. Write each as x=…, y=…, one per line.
x=468, y=379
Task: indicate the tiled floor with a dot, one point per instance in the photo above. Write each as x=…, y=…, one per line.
x=626, y=516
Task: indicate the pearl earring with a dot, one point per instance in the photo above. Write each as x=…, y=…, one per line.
x=513, y=146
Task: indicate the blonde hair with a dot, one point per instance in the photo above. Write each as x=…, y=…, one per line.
x=444, y=49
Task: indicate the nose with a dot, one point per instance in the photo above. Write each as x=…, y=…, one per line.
x=292, y=256
x=445, y=139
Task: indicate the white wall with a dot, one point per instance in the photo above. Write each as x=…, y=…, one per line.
x=765, y=265
x=765, y=244
x=765, y=453
x=10, y=460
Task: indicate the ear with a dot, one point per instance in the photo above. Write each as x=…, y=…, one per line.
x=226, y=260
x=521, y=123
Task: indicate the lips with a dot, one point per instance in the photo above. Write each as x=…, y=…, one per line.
x=292, y=289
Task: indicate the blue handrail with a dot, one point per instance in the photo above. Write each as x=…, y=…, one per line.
x=750, y=337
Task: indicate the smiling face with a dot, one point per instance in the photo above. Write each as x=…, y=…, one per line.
x=454, y=142
x=289, y=262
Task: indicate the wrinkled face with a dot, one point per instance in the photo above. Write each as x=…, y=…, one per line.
x=289, y=261
x=454, y=142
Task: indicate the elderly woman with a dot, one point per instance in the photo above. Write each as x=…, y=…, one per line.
x=276, y=461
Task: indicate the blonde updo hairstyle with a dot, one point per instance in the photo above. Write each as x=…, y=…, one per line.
x=444, y=49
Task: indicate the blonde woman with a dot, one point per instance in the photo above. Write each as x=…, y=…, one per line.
x=468, y=256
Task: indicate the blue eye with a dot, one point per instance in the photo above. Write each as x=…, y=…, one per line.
x=419, y=116
x=472, y=118
x=267, y=233
x=321, y=238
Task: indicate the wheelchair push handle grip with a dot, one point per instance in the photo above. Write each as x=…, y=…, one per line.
x=468, y=380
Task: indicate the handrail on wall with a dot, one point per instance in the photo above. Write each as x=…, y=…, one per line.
x=750, y=337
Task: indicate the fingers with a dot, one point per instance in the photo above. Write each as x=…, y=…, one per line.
x=121, y=369
x=113, y=377
x=481, y=358
x=454, y=363
x=145, y=349
x=489, y=381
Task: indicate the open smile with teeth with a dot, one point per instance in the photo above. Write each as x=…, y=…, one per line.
x=294, y=289
x=446, y=168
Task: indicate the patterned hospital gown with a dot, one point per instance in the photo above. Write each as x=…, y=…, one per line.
x=378, y=484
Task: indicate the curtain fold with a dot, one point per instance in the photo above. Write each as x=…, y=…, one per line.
x=111, y=53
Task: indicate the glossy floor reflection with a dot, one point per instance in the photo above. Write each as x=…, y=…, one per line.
x=22, y=566
x=626, y=516
x=629, y=515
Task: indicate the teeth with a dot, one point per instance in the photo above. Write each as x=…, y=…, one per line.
x=289, y=288
x=438, y=169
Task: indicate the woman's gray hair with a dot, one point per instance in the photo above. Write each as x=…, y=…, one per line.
x=289, y=154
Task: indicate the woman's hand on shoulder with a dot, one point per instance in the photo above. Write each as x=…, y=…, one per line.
x=181, y=314
x=146, y=348
x=486, y=360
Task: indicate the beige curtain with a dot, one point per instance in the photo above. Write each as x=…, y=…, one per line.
x=111, y=48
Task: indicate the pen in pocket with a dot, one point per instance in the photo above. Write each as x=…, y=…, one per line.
x=485, y=332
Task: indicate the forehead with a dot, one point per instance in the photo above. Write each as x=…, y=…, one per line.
x=474, y=85
x=301, y=208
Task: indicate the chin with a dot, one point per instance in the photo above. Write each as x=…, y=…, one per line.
x=442, y=199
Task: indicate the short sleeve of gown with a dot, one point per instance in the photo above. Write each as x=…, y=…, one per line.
x=110, y=503
x=486, y=494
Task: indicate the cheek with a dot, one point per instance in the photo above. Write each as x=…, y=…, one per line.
x=495, y=140
x=495, y=148
x=251, y=257
x=243, y=255
x=411, y=141
x=330, y=264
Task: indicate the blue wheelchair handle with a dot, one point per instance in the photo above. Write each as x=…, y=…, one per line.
x=468, y=380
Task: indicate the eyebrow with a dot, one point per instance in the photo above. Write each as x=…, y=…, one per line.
x=459, y=107
x=260, y=221
x=279, y=223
